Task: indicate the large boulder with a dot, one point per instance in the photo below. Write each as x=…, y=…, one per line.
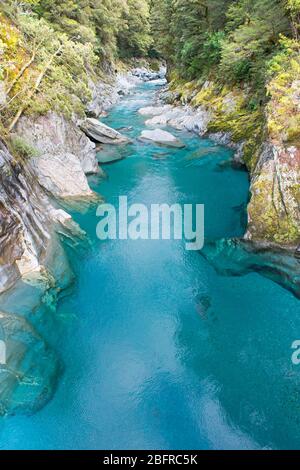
x=155, y=110
x=62, y=176
x=53, y=134
x=184, y=117
x=162, y=137
x=99, y=132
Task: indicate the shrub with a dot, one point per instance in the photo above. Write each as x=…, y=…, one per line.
x=22, y=149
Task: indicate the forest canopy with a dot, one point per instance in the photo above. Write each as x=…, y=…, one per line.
x=230, y=39
x=55, y=46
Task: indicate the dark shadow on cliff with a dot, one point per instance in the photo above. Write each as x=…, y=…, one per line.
x=237, y=257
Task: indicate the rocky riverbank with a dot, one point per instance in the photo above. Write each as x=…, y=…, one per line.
x=32, y=187
x=273, y=165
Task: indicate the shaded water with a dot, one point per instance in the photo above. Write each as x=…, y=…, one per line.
x=160, y=351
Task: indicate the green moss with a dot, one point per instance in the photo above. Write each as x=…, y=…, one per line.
x=268, y=223
x=22, y=149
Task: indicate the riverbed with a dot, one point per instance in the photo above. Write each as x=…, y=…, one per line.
x=159, y=351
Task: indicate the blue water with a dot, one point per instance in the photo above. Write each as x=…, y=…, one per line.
x=159, y=351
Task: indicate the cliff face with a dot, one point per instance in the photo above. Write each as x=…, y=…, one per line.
x=28, y=226
x=274, y=208
x=64, y=155
x=24, y=223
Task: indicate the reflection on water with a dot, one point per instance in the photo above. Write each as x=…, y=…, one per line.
x=160, y=348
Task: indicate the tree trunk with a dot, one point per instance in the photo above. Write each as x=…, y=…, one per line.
x=35, y=89
x=21, y=73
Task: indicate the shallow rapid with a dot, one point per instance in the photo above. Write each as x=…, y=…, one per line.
x=158, y=350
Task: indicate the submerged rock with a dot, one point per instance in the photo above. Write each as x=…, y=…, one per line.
x=101, y=133
x=29, y=368
x=235, y=257
x=162, y=137
x=109, y=157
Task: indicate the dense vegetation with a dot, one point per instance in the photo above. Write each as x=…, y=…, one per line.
x=50, y=49
x=250, y=47
x=235, y=39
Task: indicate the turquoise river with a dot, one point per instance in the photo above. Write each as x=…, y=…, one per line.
x=159, y=351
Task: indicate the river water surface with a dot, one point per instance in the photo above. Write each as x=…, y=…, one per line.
x=159, y=351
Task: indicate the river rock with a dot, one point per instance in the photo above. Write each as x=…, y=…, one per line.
x=162, y=137
x=61, y=175
x=53, y=134
x=65, y=224
x=235, y=257
x=181, y=117
x=109, y=157
x=155, y=110
x=147, y=75
x=107, y=94
x=99, y=132
x=29, y=369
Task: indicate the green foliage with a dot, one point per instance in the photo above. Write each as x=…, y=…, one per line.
x=107, y=24
x=232, y=39
x=134, y=38
x=49, y=50
x=283, y=89
x=20, y=148
x=254, y=30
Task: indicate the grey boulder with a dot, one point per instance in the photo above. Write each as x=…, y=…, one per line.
x=99, y=132
x=162, y=137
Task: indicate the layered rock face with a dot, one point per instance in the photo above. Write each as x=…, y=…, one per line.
x=29, y=249
x=28, y=223
x=53, y=134
x=274, y=208
x=24, y=223
x=65, y=155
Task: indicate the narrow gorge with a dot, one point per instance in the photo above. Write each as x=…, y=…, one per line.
x=146, y=344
